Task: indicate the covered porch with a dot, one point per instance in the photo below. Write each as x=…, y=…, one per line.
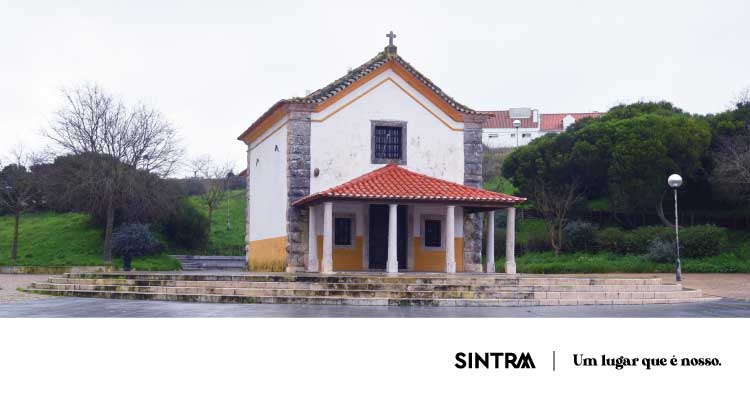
x=394, y=220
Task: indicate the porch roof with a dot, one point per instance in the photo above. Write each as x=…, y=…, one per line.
x=393, y=182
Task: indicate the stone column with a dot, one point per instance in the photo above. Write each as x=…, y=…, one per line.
x=392, y=264
x=472, y=251
x=326, y=265
x=298, y=184
x=491, y=242
x=450, y=240
x=312, y=242
x=510, y=242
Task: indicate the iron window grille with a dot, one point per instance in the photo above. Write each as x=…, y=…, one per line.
x=389, y=142
x=342, y=228
x=432, y=233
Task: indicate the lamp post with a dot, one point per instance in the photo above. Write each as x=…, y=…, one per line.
x=674, y=182
x=516, y=124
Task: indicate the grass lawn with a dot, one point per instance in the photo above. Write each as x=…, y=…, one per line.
x=737, y=260
x=50, y=239
x=223, y=241
x=604, y=262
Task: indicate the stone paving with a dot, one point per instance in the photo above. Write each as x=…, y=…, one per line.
x=60, y=307
x=10, y=282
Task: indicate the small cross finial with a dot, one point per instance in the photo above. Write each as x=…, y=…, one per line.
x=390, y=37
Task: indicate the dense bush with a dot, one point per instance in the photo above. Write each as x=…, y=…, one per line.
x=537, y=240
x=702, y=241
x=661, y=251
x=636, y=241
x=579, y=235
x=133, y=240
x=186, y=228
x=611, y=238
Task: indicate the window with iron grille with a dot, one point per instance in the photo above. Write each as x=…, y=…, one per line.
x=432, y=233
x=342, y=231
x=388, y=142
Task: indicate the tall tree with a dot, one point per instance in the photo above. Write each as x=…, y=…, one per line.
x=94, y=122
x=215, y=178
x=544, y=171
x=18, y=193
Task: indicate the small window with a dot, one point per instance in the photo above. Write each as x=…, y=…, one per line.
x=388, y=142
x=512, y=135
x=432, y=233
x=526, y=135
x=342, y=231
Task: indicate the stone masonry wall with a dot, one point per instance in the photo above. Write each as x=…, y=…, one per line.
x=298, y=186
x=473, y=177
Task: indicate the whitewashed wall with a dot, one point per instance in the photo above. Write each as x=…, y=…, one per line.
x=268, y=186
x=504, y=138
x=341, y=145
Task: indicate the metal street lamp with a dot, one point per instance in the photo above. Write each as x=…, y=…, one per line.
x=674, y=182
x=516, y=124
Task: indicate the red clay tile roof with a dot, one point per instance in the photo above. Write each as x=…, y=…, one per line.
x=553, y=122
x=502, y=120
x=393, y=182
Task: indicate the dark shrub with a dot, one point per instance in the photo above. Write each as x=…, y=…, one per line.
x=661, y=251
x=579, y=235
x=702, y=241
x=638, y=241
x=537, y=241
x=612, y=239
x=635, y=241
x=133, y=240
x=186, y=228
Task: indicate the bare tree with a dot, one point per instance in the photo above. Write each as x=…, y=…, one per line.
x=92, y=121
x=732, y=171
x=554, y=202
x=198, y=165
x=215, y=179
x=18, y=191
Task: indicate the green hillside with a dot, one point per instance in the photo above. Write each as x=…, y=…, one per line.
x=225, y=241
x=50, y=239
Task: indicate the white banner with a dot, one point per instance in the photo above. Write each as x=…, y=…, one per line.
x=374, y=358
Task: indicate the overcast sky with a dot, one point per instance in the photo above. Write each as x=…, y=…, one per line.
x=213, y=67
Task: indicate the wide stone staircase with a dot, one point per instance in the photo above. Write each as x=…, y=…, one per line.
x=369, y=289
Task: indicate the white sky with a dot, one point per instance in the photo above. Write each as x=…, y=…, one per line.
x=213, y=67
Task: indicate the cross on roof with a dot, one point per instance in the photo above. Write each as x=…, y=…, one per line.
x=390, y=37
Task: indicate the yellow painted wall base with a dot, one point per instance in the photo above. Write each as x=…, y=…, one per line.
x=345, y=259
x=268, y=255
x=434, y=260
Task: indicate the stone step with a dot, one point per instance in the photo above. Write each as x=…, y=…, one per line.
x=422, y=294
x=370, y=286
x=368, y=278
x=514, y=293
x=328, y=300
